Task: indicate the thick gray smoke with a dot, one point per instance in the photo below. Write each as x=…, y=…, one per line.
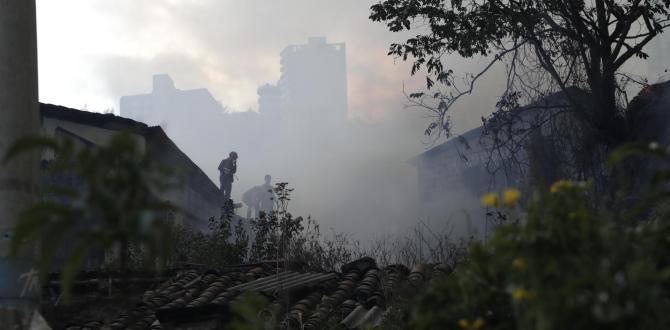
x=354, y=177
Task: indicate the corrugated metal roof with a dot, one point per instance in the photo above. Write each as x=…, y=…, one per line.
x=283, y=281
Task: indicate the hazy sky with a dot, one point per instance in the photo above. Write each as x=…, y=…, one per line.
x=93, y=52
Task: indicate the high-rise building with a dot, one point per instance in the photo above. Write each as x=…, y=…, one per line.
x=313, y=82
x=269, y=100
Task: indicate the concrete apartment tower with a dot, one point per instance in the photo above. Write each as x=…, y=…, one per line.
x=269, y=100
x=313, y=82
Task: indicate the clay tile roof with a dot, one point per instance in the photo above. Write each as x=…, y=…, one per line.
x=355, y=298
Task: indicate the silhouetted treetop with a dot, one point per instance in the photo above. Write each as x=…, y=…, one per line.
x=547, y=46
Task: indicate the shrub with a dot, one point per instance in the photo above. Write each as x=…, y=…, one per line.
x=279, y=235
x=98, y=198
x=226, y=243
x=565, y=265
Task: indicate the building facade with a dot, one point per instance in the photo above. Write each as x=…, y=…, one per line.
x=313, y=81
x=166, y=105
x=199, y=199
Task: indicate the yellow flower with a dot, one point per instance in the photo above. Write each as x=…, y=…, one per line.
x=519, y=264
x=476, y=325
x=520, y=294
x=511, y=197
x=561, y=185
x=490, y=199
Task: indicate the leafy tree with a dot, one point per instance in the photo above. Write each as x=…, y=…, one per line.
x=274, y=231
x=546, y=45
x=97, y=198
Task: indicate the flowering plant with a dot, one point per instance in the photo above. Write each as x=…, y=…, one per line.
x=569, y=264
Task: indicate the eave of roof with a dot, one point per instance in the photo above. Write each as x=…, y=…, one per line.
x=153, y=134
x=472, y=136
x=549, y=100
x=108, y=121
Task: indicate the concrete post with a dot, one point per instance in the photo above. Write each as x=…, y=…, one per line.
x=19, y=116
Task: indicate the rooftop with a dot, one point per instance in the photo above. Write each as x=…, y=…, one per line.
x=472, y=137
x=357, y=296
x=158, y=143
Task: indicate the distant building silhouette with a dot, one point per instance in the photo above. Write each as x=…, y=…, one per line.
x=269, y=100
x=196, y=122
x=167, y=105
x=309, y=99
x=313, y=80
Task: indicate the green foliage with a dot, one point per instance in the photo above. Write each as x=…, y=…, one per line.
x=316, y=253
x=226, y=243
x=276, y=236
x=470, y=28
x=279, y=235
x=95, y=198
x=275, y=230
x=566, y=265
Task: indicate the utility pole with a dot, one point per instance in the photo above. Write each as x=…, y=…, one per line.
x=19, y=116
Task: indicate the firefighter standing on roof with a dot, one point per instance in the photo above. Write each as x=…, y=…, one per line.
x=227, y=169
